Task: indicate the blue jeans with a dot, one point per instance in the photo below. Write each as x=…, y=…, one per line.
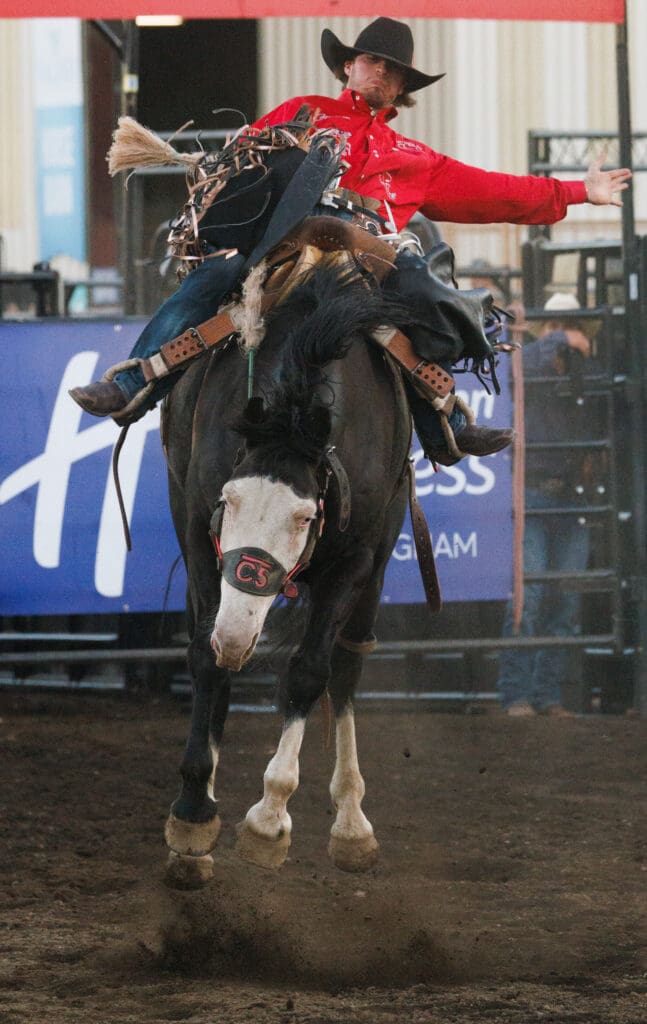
x=557, y=543
x=427, y=421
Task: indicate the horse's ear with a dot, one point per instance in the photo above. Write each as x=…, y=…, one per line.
x=254, y=411
x=318, y=423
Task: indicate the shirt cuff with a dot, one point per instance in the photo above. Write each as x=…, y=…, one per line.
x=575, y=192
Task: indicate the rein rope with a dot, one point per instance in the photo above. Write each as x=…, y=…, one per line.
x=250, y=373
x=120, y=498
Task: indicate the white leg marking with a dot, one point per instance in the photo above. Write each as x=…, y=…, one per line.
x=347, y=786
x=215, y=754
x=269, y=817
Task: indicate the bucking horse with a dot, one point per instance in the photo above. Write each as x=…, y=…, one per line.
x=303, y=485
x=287, y=440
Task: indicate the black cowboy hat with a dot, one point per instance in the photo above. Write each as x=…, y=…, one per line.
x=384, y=37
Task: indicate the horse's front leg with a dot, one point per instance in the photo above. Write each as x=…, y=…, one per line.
x=193, y=825
x=265, y=834
x=352, y=846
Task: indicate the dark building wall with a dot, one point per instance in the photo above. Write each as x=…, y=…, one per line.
x=189, y=71
x=102, y=110
x=185, y=74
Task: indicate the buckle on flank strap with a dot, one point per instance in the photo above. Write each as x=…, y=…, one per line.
x=194, y=333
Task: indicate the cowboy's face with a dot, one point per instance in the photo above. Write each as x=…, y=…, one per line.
x=377, y=80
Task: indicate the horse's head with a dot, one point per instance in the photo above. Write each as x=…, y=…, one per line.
x=266, y=526
x=272, y=503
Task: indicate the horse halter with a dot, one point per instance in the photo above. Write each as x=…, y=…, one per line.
x=256, y=571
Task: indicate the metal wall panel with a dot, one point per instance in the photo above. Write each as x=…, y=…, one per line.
x=17, y=190
x=637, y=22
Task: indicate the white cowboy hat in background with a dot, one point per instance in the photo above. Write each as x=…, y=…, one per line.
x=565, y=302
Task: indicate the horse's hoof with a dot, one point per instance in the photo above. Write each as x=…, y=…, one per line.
x=258, y=849
x=188, y=872
x=353, y=854
x=190, y=838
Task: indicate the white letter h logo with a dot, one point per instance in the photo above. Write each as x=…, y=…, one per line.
x=50, y=471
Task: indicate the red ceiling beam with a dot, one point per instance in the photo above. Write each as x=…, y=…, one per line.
x=512, y=10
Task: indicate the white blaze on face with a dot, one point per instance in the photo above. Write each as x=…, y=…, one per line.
x=259, y=513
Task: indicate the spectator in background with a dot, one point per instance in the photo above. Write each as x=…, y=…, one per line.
x=531, y=680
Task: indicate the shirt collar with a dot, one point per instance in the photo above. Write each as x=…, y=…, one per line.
x=358, y=103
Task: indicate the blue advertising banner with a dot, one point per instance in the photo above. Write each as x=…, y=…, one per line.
x=63, y=550
x=469, y=511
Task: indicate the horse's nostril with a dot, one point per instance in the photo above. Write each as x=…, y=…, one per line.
x=215, y=646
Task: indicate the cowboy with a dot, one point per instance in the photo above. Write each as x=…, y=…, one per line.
x=392, y=177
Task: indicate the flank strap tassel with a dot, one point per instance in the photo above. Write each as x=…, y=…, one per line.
x=135, y=146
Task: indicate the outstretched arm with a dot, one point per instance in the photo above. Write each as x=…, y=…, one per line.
x=602, y=186
x=468, y=195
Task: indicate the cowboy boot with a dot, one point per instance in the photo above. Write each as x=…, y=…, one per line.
x=103, y=398
x=472, y=440
x=466, y=437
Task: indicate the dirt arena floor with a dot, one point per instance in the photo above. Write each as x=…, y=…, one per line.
x=511, y=887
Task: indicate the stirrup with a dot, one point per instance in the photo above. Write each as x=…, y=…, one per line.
x=448, y=433
x=124, y=416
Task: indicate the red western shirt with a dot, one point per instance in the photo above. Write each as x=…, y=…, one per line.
x=410, y=176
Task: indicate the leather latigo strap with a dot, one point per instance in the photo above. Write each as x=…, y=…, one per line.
x=424, y=549
x=190, y=343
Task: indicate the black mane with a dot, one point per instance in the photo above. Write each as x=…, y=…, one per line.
x=332, y=309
